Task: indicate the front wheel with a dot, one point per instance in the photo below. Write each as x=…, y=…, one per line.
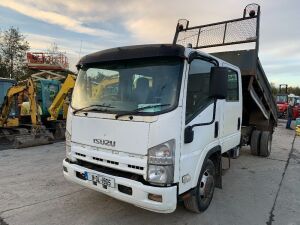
x=200, y=200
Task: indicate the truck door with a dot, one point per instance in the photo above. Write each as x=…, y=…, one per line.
x=198, y=109
x=232, y=112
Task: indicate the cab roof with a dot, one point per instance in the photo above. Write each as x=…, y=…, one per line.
x=134, y=52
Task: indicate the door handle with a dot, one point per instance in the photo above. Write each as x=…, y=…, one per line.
x=239, y=124
x=216, y=129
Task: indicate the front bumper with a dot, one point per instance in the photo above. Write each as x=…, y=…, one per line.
x=139, y=195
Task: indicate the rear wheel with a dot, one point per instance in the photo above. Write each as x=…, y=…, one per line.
x=265, y=144
x=203, y=194
x=255, y=142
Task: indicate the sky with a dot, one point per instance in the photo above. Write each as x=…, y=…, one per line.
x=82, y=27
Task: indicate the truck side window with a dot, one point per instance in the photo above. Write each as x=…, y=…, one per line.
x=198, y=87
x=233, y=86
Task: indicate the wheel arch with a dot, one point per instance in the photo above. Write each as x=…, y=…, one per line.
x=214, y=154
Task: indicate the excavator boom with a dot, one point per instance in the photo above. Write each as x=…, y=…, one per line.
x=59, y=99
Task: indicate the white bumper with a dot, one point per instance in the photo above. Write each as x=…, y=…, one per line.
x=140, y=191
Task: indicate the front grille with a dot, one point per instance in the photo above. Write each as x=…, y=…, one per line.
x=111, y=171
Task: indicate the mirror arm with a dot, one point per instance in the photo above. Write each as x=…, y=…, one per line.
x=213, y=119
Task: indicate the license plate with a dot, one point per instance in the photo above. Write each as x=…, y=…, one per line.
x=104, y=180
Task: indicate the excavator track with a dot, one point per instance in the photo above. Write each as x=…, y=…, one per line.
x=24, y=137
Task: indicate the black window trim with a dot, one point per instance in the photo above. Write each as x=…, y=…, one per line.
x=191, y=58
x=181, y=71
x=238, y=87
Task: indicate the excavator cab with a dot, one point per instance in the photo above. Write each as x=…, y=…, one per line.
x=5, y=84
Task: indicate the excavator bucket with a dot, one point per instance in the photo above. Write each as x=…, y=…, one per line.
x=24, y=137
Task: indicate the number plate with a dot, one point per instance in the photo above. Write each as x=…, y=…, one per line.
x=104, y=180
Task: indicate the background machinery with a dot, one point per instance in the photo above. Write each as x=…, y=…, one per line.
x=53, y=81
x=282, y=101
x=24, y=116
x=22, y=133
x=59, y=107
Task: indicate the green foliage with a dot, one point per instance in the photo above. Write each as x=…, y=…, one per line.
x=290, y=90
x=294, y=90
x=274, y=89
x=13, y=48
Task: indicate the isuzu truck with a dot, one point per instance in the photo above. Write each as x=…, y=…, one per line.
x=167, y=113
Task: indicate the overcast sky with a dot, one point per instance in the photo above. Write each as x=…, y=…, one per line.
x=108, y=23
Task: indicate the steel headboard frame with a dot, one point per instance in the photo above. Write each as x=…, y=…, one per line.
x=230, y=32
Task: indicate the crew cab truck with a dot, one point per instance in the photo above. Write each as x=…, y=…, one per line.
x=156, y=134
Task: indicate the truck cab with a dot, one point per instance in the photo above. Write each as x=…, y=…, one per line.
x=158, y=134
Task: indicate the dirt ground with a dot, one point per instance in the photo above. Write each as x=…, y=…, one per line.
x=255, y=191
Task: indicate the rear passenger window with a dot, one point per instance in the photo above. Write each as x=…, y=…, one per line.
x=233, y=86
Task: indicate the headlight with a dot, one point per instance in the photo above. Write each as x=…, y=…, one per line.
x=160, y=174
x=161, y=163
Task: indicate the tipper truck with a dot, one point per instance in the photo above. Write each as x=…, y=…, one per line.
x=156, y=134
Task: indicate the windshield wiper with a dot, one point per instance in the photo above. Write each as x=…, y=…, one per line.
x=93, y=107
x=138, y=110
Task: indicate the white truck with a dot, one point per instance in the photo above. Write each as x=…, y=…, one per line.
x=149, y=124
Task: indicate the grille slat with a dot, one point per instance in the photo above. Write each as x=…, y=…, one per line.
x=98, y=159
x=112, y=162
x=79, y=154
x=136, y=167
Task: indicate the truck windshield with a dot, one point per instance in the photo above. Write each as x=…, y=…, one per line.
x=126, y=86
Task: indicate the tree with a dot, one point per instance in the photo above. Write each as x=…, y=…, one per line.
x=13, y=47
x=273, y=88
x=53, y=48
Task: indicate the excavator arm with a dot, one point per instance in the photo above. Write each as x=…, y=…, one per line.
x=16, y=90
x=60, y=97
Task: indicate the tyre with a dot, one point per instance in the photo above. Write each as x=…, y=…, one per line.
x=265, y=144
x=203, y=194
x=255, y=142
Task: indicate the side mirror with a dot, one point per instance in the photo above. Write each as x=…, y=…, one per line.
x=188, y=135
x=218, y=82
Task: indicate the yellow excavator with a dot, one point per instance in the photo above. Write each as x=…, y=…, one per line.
x=13, y=131
x=61, y=102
